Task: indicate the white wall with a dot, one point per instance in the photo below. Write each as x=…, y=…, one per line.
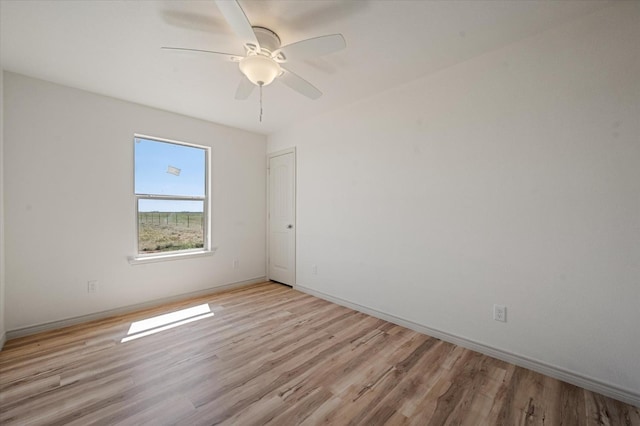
x=512, y=178
x=70, y=206
x=3, y=328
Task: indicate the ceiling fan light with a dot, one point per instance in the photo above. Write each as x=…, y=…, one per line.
x=260, y=70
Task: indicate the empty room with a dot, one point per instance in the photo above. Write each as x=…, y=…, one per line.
x=363, y=212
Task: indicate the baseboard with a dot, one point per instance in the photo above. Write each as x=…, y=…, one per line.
x=26, y=331
x=624, y=395
x=3, y=340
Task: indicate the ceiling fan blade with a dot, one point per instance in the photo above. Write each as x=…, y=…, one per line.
x=245, y=88
x=238, y=21
x=184, y=49
x=312, y=47
x=299, y=84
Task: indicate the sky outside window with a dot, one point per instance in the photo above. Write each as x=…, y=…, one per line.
x=163, y=168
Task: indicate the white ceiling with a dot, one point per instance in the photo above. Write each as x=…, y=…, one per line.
x=113, y=48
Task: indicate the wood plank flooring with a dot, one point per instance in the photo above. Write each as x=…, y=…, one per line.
x=273, y=355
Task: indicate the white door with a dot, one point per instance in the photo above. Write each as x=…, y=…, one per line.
x=282, y=218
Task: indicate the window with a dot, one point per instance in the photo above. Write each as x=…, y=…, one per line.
x=172, y=199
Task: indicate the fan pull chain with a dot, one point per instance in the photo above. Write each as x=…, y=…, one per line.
x=261, y=103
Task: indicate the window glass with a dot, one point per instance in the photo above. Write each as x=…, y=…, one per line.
x=165, y=168
x=171, y=196
x=167, y=225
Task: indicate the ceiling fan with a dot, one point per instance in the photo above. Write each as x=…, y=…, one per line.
x=264, y=57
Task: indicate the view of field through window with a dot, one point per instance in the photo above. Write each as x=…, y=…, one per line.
x=170, y=191
x=168, y=231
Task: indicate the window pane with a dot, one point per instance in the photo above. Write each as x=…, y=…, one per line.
x=164, y=168
x=168, y=225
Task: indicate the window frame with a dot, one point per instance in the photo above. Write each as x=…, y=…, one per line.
x=206, y=216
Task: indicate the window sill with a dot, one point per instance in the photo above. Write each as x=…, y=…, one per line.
x=133, y=260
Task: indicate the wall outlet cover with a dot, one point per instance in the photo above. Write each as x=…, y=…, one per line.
x=500, y=313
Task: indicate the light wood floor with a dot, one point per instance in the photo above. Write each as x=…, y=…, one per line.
x=273, y=355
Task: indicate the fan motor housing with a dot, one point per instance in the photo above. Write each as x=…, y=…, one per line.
x=268, y=39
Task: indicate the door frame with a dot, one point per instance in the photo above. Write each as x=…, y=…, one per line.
x=271, y=155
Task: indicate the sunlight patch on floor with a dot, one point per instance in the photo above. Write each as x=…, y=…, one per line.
x=164, y=322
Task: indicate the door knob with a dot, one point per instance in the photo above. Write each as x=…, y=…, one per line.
x=289, y=226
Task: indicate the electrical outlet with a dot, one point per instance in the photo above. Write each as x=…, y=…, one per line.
x=314, y=269
x=92, y=286
x=500, y=313
x=236, y=263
